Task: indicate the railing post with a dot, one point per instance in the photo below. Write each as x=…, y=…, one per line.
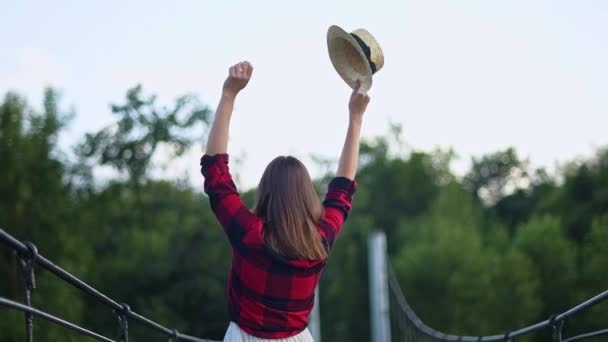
x=557, y=329
x=29, y=284
x=174, y=336
x=378, y=287
x=315, y=319
x=123, y=323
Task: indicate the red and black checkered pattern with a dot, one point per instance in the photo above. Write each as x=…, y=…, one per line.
x=269, y=295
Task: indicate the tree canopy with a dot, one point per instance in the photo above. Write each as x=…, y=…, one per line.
x=499, y=248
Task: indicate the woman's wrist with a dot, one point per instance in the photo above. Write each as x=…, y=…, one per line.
x=355, y=120
x=228, y=95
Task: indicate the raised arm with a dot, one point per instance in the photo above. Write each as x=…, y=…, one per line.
x=224, y=198
x=347, y=166
x=238, y=77
x=338, y=200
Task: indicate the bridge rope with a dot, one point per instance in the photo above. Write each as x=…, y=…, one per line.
x=588, y=335
x=555, y=322
x=27, y=254
x=28, y=309
x=408, y=323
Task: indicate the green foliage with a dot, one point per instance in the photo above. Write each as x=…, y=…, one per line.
x=393, y=188
x=156, y=260
x=583, y=196
x=447, y=264
x=130, y=143
x=554, y=257
x=498, y=250
x=35, y=201
x=496, y=175
x=592, y=280
x=344, y=285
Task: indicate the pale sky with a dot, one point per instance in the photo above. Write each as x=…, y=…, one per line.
x=477, y=76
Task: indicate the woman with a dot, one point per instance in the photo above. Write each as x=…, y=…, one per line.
x=280, y=248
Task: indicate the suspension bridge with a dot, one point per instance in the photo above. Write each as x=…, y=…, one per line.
x=384, y=289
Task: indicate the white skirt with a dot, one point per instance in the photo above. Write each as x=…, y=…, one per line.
x=236, y=334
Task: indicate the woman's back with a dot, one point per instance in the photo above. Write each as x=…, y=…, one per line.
x=278, y=251
x=269, y=295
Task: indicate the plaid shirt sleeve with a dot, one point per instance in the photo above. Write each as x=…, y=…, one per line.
x=337, y=204
x=235, y=218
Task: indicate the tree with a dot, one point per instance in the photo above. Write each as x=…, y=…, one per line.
x=344, y=304
x=113, y=237
x=155, y=236
x=129, y=144
x=169, y=264
x=36, y=205
x=582, y=196
x=446, y=264
x=516, y=208
x=396, y=187
x=553, y=256
x=495, y=175
x=592, y=280
x=155, y=244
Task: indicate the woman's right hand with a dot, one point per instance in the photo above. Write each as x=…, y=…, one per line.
x=238, y=77
x=358, y=103
x=347, y=166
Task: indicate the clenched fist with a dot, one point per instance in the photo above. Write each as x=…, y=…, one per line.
x=238, y=77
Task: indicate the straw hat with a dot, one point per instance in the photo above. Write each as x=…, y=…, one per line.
x=355, y=55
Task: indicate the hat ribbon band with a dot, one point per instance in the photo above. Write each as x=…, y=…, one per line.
x=367, y=51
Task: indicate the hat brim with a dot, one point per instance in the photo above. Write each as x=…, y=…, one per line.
x=335, y=34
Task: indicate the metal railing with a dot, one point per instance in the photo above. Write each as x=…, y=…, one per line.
x=27, y=254
x=555, y=322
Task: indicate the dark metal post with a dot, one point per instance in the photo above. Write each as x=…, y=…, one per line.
x=29, y=283
x=123, y=323
x=174, y=336
x=315, y=319
x=557, y=331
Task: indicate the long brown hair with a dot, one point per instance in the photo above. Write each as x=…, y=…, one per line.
x=287, y=202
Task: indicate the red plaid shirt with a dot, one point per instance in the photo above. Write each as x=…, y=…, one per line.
x=269, y=295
